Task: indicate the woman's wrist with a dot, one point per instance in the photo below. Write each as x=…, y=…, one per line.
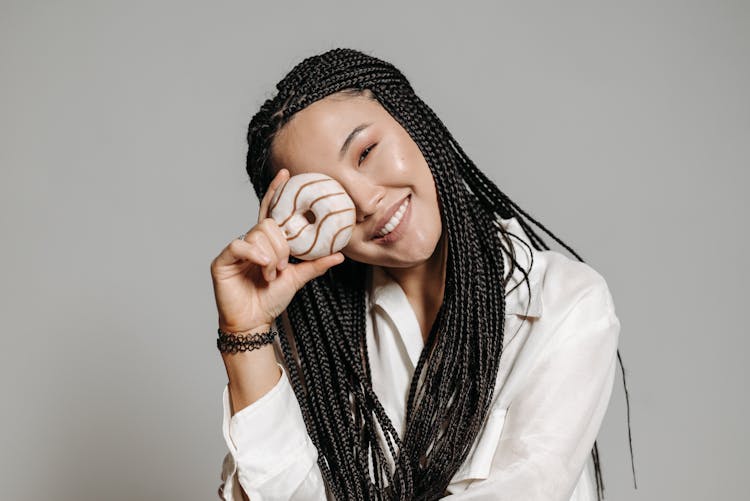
x=236, y=339
x=244, y=329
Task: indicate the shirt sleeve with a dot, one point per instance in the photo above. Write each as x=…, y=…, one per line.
x=551, y=425
x=271, y=456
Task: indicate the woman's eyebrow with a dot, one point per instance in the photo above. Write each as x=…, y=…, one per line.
x=359, y=128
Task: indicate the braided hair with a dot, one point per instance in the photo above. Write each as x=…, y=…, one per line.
x=452, y=387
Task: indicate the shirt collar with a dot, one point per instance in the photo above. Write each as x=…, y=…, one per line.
x=386, y=292
x=520, y=301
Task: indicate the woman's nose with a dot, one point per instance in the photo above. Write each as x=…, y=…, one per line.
x=366, y=197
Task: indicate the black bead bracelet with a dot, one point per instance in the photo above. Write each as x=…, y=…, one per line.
x=229, y=342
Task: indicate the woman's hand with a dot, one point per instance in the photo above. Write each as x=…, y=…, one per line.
x=253, y=281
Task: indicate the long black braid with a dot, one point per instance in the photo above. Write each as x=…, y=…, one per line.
x=453, y=383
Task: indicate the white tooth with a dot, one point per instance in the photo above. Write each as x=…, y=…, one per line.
x=389, y=227
x=395, y=219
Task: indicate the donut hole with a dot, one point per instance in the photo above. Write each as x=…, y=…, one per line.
x=310, y=216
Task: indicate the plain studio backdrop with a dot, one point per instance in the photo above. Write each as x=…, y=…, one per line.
x=625, y=129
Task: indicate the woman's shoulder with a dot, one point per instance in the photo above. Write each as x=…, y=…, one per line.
x=565, y=277
x=574, y=292
x=559, y=280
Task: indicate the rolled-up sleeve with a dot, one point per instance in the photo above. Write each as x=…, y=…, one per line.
x=271, y=456
x=551, y=425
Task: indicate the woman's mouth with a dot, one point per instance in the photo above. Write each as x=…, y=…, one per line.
x=395, y=227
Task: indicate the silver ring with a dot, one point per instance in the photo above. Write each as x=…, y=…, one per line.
x=242, y=237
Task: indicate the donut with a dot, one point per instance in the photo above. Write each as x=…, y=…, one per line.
x=315, y=213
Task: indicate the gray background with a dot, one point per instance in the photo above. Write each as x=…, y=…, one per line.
x=625, y=128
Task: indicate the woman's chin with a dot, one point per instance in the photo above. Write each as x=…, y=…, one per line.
x=409, y=252
x=408, y=259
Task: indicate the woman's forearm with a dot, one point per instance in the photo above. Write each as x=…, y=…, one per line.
x=251, y=374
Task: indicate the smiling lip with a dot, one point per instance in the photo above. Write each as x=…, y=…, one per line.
x=387, y=217
x=398, y=231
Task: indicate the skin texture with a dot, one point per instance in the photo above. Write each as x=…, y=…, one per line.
x=381, y=166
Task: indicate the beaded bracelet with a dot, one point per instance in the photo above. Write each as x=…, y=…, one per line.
x=229, y=342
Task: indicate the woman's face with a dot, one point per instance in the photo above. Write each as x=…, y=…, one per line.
x=354, y=140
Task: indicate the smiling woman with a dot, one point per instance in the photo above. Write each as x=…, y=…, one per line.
x=354, y=140
x=445, y=351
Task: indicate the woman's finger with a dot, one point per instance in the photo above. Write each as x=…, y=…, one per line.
x=238, y=250
x=260, y=241
x=278, y=241
x=278, y=180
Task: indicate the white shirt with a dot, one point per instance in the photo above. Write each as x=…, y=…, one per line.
x=552, y=390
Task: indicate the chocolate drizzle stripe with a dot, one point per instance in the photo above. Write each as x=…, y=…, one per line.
x=317, y=231
x=321, y=222
x=333, y=240
x=314, y=201
x=296, y=197
x=278, y=199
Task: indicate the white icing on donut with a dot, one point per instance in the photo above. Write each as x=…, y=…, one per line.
x=323, y=200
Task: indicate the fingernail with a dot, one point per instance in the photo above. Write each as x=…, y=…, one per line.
x=284, y=262
x=273, y=274
x=264, y=259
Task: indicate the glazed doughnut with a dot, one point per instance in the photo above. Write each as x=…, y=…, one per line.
x=315, y=213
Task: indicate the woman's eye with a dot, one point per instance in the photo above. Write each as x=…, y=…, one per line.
x=365, y=153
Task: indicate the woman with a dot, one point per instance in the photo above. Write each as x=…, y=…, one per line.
x=456, y=356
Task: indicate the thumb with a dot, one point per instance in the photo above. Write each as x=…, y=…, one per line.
x=307, y=270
